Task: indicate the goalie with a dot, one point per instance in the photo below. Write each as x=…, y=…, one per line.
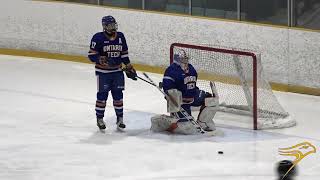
x=179, y=83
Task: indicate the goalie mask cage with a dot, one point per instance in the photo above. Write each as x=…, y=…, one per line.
x=241, y=85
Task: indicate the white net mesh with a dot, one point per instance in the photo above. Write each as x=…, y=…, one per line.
x=233, y=73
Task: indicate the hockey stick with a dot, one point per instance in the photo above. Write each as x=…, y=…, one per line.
x=159, y=88
x=141, y=78
x=146, y=81
x=182, y=111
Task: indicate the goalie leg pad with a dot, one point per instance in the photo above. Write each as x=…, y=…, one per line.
x=186, y=128
x=205, y=118
x=177, y=97
x=160, y=123
x=211, y=101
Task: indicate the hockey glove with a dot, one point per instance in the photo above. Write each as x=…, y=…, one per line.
x=130, y=72
x=103, y=60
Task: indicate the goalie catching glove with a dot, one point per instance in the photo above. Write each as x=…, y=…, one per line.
x=130, y=72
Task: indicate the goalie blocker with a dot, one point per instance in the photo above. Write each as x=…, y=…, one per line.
x=176, y=123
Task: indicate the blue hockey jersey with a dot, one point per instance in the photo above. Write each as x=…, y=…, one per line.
x=176, y=78
x=115, y=50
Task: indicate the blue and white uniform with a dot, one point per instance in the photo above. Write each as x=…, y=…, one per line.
x=109, y=77
x=182, y=76
x=186, y=82
x=115, y=50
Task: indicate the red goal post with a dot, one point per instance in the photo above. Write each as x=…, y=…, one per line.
x=241, y=73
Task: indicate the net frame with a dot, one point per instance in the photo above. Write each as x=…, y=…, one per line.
x=286, y=122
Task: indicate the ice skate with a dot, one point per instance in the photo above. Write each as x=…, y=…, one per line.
x=120, y=125
x=101, y=124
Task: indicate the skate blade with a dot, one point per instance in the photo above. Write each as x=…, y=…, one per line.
x=119, y=129
x=102, y=131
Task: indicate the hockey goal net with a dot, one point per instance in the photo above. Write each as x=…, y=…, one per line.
x=241, y=85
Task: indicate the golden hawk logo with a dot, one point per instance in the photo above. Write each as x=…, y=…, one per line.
x=299, y=151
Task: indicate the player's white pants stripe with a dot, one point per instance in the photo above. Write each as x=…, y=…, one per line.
x=107, y=71
x=100, y=109
x=115, y=107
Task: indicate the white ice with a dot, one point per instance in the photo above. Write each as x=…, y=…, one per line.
x=48, y=132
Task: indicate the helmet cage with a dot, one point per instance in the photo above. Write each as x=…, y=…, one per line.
x=110, y=27
x=181, y=57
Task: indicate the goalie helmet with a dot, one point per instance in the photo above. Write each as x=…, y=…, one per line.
x=181, y=58
x=109, y=24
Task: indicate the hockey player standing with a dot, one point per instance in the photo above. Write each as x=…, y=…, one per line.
x=109, y=50
x=179, y=83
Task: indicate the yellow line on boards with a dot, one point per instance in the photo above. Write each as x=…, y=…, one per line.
x=38, y=54
x=73, y=58
x=154, y=69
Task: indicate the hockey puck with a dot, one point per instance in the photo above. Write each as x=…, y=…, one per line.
x=220, y=152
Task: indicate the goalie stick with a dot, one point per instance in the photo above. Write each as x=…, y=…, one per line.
x=146, y=81
x=213, y=88
x=170, y=98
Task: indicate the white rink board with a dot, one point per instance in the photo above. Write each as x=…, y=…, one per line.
x=288, y=56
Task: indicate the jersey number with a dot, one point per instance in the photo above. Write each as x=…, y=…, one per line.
x=191, y=86
x=93, y=44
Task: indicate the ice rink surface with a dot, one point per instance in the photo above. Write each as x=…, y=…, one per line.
x=48, y=132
